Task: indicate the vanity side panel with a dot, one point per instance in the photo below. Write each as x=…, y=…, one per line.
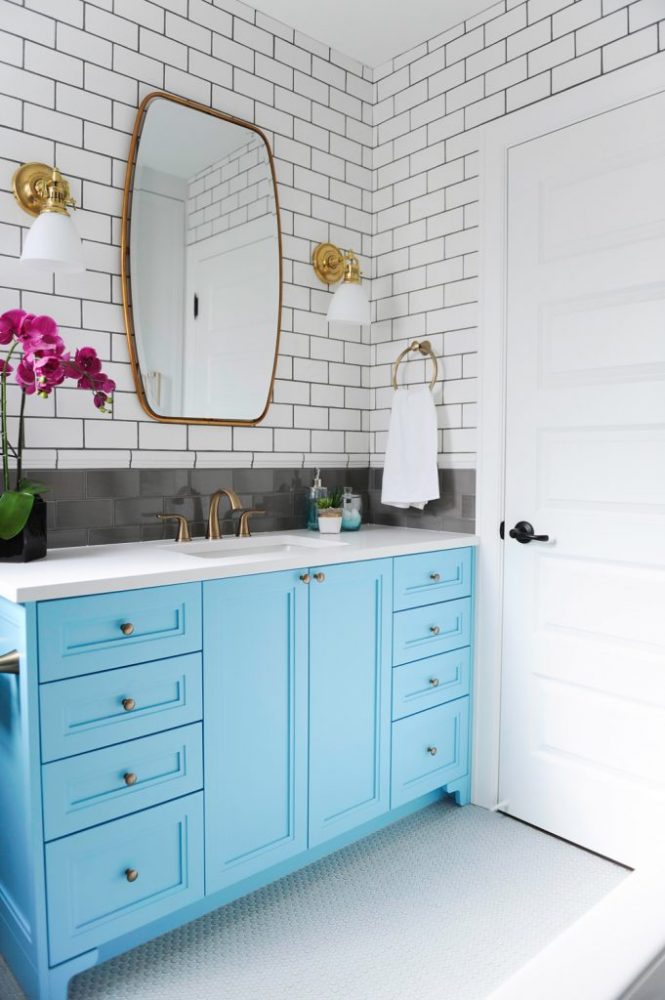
x=22, y=905
x=255, y=723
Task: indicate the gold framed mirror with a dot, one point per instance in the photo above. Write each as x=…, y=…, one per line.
x=201, y=264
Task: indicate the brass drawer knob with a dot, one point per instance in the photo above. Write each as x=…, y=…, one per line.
x=131, y=874
x=129, y=778
x=434, y=681
x=434, y=629
x=435, y=577
x=432, y=751
x=127, y=628
x=128, y=704
x=319, y=577
x=305, y=577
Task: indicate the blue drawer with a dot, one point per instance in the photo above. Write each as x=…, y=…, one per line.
x=86, y=713
x=96, y=787
x=431, y=630
x=92, y=895
x=429, y=750
x=79, y=635
x=434, y=681
x=432, y=577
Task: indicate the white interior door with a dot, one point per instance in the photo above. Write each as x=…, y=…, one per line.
x=583, y=690
x=234, y=276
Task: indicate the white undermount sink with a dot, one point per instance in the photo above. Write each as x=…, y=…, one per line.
x=242, y=550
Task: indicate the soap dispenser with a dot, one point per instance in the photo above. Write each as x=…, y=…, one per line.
x=317, y=491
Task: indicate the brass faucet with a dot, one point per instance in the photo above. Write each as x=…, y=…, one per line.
x=213, y=514
x=183, y=527
x=242, y=531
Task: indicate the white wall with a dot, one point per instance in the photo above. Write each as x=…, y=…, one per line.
x=71, y=76
x=430, y=107
x=382, y=161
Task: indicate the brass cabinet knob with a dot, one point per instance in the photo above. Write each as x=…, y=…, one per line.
x=432, y=751
x=435, y=576
x=434, y=629
x=127, y=628
x=319, y=577
x=305, y=577
x=128, y=704
x=9, y=662
x=131, y=874
x=434, y=681
x=129, y=778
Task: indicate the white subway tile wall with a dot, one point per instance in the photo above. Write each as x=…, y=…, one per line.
x=383, y=161
x=428, y=103
x=231, y=192
x=71, y=77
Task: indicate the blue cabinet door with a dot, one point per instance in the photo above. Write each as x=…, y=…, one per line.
x=350, y=675
x=255, y=724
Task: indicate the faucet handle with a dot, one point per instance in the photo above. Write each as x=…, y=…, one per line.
x=242, y=531
x=183, y=526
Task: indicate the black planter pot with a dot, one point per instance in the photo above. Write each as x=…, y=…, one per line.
x=31, y=542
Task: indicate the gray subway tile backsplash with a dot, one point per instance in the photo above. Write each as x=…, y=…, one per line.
x=104, y=506
x=453, y=511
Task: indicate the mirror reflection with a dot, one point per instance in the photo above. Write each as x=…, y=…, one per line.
x=203, y=264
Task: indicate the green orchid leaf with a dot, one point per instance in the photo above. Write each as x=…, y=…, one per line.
x=32, y=486
x=15, y=510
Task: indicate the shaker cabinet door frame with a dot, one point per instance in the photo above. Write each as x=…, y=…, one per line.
x=350, y=696
x=255, y=724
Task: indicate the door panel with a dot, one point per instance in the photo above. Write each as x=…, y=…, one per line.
x=583, y=690
x=350, y=668
x=226, y=272
x=255, y=724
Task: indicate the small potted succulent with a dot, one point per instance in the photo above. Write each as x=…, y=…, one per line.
x=330, y=513
x=34, y=356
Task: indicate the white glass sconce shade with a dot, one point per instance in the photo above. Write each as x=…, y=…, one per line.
x=349, y=304
x=53, y=244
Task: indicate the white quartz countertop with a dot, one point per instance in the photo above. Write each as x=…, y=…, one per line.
x=105, y=568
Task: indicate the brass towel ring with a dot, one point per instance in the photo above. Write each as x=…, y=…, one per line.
x=425, y=348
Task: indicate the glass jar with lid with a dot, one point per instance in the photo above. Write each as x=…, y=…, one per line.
x=352, y=510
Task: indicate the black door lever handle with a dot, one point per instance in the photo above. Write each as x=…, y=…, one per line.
x=523, y=532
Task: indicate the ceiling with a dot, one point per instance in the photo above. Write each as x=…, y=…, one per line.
x=204, y=139
x=369, y=30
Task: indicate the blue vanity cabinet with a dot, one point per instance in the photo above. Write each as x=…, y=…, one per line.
x=349, y=696
x=166, y=750
x=255, y=728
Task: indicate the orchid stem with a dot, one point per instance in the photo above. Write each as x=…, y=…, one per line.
x=5, y=451
x=3, y=406
x=21, y=442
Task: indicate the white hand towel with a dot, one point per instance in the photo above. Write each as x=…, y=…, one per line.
x=410, y=475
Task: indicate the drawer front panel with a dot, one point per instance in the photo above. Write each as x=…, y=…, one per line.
x=85, y=634
x=92, y=896
x=87, y=713
x=429, y=631
x=432, y=577
x=427, y=683
x=94, y=788
x=429, y=750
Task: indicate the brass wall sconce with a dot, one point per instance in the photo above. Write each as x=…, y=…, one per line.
x=52, y=243
x=349, y=303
